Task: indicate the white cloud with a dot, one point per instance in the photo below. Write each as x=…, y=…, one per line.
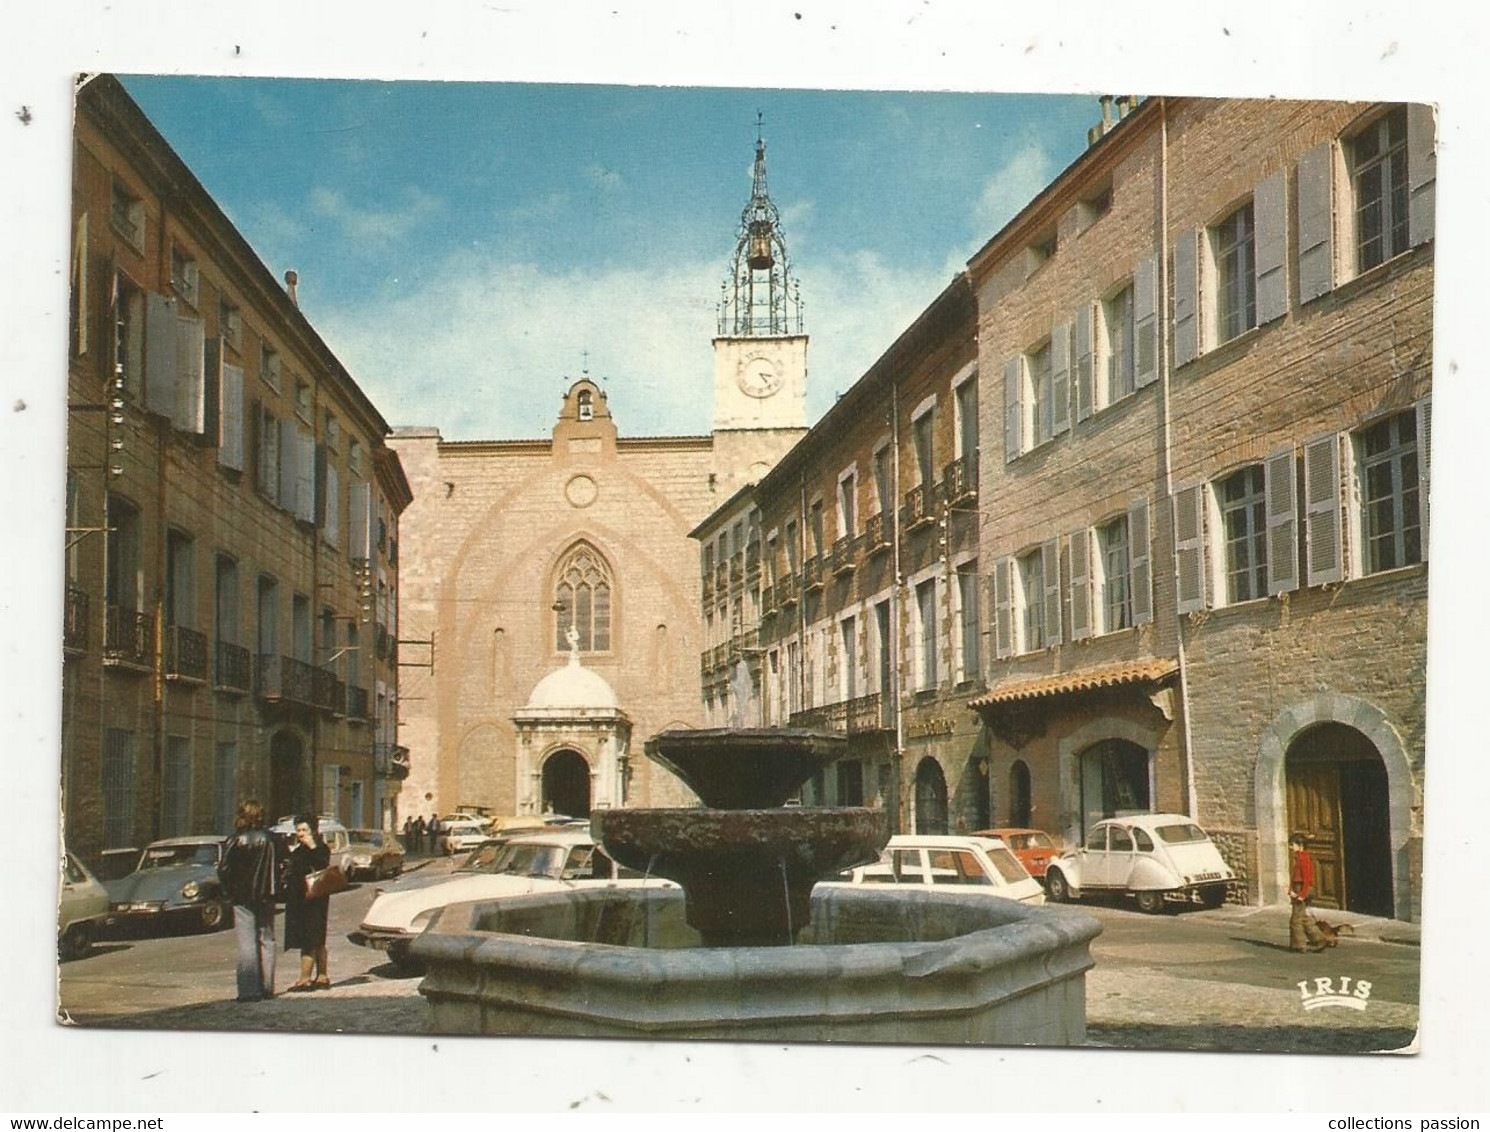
x=374, y=226
x=1010, y=188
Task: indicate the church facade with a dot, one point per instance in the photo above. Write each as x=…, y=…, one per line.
x=549, y=600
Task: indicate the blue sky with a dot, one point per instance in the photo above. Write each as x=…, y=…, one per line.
x=460, y=245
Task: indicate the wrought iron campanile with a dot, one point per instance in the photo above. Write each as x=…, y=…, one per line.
x=760, y=298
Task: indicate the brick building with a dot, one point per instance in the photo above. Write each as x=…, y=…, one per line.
x=1188, y=572
x=510, y=544
x=232, y=522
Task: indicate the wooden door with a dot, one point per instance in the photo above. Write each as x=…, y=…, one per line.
x=1314, y=808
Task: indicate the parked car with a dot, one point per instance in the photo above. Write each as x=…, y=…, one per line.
x=462, y=836
x=82, y=909
x=479, y=860
x=333, y=833
x=1157, y=859
x=1035, y=848
x=541, y=862
x=375, y=853
x=983, y=864
x=175, y=879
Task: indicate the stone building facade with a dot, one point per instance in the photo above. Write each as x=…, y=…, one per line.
x=232, y=522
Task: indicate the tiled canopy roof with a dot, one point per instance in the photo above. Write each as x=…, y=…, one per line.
x=1084, y=680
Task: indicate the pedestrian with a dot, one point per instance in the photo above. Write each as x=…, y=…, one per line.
x=419, y=833
x=305, y=917
x=434, y=834
x=249, y=876
x=409, y=833
x=1303, y=932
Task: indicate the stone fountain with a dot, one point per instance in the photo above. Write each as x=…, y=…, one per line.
x=748, y=949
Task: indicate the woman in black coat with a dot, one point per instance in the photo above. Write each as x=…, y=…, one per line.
x=305, y=919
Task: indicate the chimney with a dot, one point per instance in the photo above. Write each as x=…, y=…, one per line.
x=291, y=278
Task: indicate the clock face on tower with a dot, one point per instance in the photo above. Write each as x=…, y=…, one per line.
x=759, y=376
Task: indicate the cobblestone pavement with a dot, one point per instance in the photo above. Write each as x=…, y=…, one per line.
x=1221, y=980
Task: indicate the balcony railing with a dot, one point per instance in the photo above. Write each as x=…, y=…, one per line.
x=876, y=534
x=845, y=553
x=357, y=700
x=186, y=654
x=75, y=619
x=233, y=671
x=786, y=590
x=960, y=478
x=858, y=716
x=920, y=506
x=812, y=574
x=323, y=689
x=129, y=638
x=285, y=680
x=768, y=600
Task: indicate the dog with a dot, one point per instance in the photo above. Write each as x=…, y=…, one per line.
x=1332, y=932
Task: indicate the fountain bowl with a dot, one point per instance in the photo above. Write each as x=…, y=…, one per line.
x=734, y=768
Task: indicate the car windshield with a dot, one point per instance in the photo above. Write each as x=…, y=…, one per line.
x=169, y=856
x=1008, y=865
x=530, y=860
x=1180, y=833
x=1028, y=841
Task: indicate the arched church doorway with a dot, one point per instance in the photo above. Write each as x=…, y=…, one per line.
x=566, y=784
x=1019, y=794
x=289, y=791
x=1337, y=796
x=1115, y=780
x=931, y=797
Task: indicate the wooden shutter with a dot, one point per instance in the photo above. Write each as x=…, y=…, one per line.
x=190, y=413
x=1322, y=542
x=1282, y=540
x=1422, y=172
x=230, y=418
x=1270, y=216
x=1425, y=437
x=160, y=356
x=1003, y=608
x=305, y=476
x=359, y=511
x=1316, y=213
x=1013, y=408
x=1140, y=572
x=1146, y=321
x=1060, y=377
x=1189, y=548
x=266, y=451
x=289, y=455
x=1082, y=378
x=1186, y=298
x=80, y=284
x=1050, y=569
x=1080, y=554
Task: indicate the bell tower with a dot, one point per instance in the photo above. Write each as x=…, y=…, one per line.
x=760, y=352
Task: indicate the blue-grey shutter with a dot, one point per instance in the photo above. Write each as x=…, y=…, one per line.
x=160, y=355
x=1083, y=351
x=1425, y=438
x=1186, y=298
x=230, y=418
x=1270, y=215
x=1189, y=548
x=1422, y=172
x=1282, y=510
x=1323, y=545
x=359, y=521
x=1079, y=553
x=305, y=476
x=1140, y=575
x=1316, y=222
x=190, y=413
x=1013, y=408
x=289, y=457
x=333, y=506
x=1003, y=608
x=1146, y=321
x=1060, y=377
x=1050, y=569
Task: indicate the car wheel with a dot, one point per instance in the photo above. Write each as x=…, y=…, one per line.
x=212, y=916
x=1056, y=886
x=1151, y=902
x=75, y=941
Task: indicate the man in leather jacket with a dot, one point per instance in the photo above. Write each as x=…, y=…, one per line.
x=249, y=877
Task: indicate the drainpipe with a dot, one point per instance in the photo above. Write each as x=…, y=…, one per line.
x=1192, y=805
x=897, y=756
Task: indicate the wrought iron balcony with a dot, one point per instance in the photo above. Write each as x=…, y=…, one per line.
x=845, y=555
x=858, y=716
x=357, y=701
x=786, y=590
x=285, y=680
x=768, y=600
x=876, y=534
x=960, y=478
x=185, y=654
x=920, y=506
x=323, y=684
x=129, y=639
x=75, y=619
x=812, y=574
x=233, y=671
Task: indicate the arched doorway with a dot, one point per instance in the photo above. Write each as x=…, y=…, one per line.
x=1019, y=794
x=566, y=784
x=1115, y=779
x=289, y=792
x=980, y=789
x=931, y=797
x=1337, y=795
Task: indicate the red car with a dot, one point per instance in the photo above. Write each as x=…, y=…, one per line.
x=1034, y=848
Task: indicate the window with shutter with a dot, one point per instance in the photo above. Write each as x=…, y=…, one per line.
x=1189, y=548
x=1083, y=378
x=1322, y=535
x=1140, y=572
x=1146, y=321
x=1316, y=217
x=1425, y=440
x=1271, y=202
x=1233, y=250
x=230, y=417
x=1242, y=501
x=1041, y=399
x=161, y=368
x=289, y=457
x=1060, y=378
x=1186, y=299
x=1003, y=607
x=1282, y=522
x=333, y=507
x=1422, y=173
x=191, y=395
x=305, y=476
x=1117, y=379
x=1390, y=490
x=1029, y=602
x=269, y=462
x=1013, y=408
x=1079, y=554
x=1111, y=570
x=359, y=521
x=1050, y=566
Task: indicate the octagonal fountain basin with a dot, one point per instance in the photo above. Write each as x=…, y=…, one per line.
x=873, y=965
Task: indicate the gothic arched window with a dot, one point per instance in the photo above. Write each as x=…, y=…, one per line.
x=582, y=592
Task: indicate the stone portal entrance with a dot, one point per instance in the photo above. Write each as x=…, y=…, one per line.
x=931, y=797
x=566, y=784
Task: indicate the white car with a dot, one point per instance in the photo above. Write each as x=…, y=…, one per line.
x=82, y=909
x=1157, y=859
x=540, y=862
x=462, y=836
x=982, y=864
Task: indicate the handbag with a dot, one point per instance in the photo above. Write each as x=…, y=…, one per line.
x=325, y=882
